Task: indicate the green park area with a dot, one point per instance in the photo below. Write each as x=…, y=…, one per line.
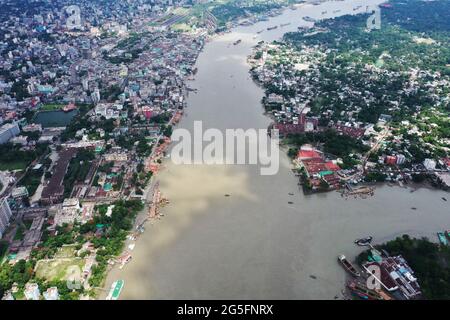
x=51, y=107
x=64, y=266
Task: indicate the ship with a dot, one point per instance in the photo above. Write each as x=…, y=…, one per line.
x=361, y=291
x=363, y=241
x=237, y=42
x=116, y=289
x=348, y=266
x=272, y=28
x=442, y=238
x=124, y=260
x=309, y=19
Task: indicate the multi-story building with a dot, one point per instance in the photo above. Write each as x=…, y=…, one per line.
x=51, y=294
x=8, y=131
x=32, y=291
x=429, y=164
x=5, y=215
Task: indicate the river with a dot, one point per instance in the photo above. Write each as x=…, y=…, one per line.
x=255, y=244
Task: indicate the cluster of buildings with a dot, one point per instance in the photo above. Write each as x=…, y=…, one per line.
x=32, y=292
x=306, y=92
x=394, y=275
x=123, y=76
x=319, y=173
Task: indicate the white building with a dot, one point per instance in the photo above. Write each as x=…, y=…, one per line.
x=19, y=192
x=32, y=291
x=8, y=131
x=429, y=164
x=5, y=215
x=51, y=294
x=69, y=212
x=401, y=159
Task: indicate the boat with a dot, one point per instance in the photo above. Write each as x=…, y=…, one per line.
x=237, y=42
x=444, y=198
x=361, y=291
x=116, y=289
x=272, y=28
x=285, y=24
x=324, y=12
x=309, y=19
x=336, y=11
x=447, y=233
x=442, y=238
x=260, y=31
x=348, y=266
x=124, y=260
x=363, y=241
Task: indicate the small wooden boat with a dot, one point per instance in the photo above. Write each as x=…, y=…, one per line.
x=362, y=292
x=348, y=266
x=363, y=241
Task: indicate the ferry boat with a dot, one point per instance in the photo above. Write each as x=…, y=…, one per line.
x=272, y=28
x=237, y=42
x=309, y=19
x=348, y=266
x=363, y=241
x=116, y=289
x=442, y=238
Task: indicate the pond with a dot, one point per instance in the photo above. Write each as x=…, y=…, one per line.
x=57, y=118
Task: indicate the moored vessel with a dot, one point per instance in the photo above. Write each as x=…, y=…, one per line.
x=116, y=289
x=348, y=266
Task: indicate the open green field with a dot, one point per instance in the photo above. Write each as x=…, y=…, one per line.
x=65, y=266
x=60, y=269
x=16, y=165
x=51, y=107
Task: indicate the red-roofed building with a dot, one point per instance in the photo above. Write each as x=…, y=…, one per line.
x=308, y=154
x=332, y=166
x=446, y=161
x=391, y=160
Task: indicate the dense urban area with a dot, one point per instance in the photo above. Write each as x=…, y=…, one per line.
x=87, y=109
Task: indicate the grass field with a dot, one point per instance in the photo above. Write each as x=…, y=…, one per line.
x=64, y=266
x=16, y=165
x=51, y=107
x=60, y=269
